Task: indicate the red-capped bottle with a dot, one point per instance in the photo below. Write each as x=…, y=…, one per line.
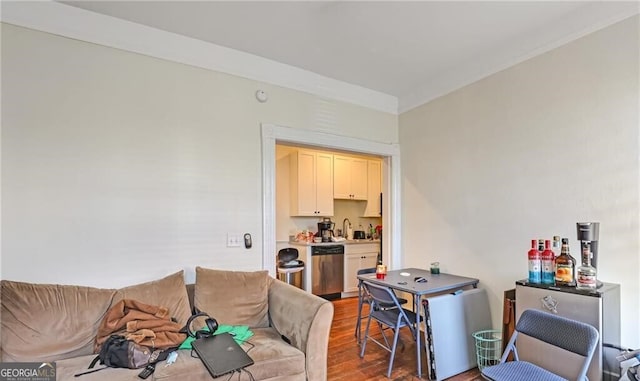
x=535, y=262
x=548, y=264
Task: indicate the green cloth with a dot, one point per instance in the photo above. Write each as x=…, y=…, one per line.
x=240, y=333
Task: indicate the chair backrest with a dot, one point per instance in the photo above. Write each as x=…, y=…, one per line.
x=571, y=335
x=382, y=296
x=369, y=270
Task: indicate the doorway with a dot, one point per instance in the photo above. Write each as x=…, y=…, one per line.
x=272, y=134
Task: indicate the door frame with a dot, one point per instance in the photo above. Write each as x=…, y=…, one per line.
x=272, y=134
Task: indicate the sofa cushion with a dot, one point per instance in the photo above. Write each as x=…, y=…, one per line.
x=169, y=292
x=43, y=322
x=68, y=368
x=233, y=297
x=273, y=360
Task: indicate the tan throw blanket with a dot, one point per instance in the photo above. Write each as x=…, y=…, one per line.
x=145, y=324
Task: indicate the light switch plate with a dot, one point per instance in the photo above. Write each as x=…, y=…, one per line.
x=234, y=240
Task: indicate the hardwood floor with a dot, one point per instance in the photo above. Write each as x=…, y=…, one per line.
x=345, y=364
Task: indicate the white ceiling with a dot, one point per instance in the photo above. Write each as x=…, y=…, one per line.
x=414, y=51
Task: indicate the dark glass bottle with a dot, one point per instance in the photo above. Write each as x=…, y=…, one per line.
x=565, y=266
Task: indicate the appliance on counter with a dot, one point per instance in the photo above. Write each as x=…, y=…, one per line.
x=359, y=234
x=325, y=229
x=600, y=308
x=588, y=233
x=327, y=265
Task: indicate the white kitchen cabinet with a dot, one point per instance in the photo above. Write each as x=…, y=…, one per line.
x=311, y=183
x=374, y=187
x=358, y=256
x=350, y=178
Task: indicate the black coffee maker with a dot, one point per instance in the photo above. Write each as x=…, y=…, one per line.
x=325, y=229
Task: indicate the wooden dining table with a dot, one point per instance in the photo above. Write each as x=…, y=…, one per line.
x=405, y=280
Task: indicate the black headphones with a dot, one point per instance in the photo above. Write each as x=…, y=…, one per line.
x=212, y=324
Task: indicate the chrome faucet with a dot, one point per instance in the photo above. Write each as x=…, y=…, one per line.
x=344, y=227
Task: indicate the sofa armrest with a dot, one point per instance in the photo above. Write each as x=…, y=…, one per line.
x=305, y=320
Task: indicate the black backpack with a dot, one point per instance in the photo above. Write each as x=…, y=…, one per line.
x=118, y=352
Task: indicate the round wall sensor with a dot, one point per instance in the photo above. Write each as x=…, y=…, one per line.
x=261, y=96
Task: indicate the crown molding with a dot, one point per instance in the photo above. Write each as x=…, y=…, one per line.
x=67, y=21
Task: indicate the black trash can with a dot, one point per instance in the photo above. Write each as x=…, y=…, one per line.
x=290, y=268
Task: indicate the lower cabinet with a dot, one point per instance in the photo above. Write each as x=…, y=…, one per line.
x=358, y=256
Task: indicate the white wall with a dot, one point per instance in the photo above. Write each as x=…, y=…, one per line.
x=119, y=168
x=527, y=153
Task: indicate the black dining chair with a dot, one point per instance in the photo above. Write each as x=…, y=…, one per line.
x=394, y=318
x=364, y=298
x=570, y=335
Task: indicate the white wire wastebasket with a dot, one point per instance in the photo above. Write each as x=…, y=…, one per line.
x=488, y=347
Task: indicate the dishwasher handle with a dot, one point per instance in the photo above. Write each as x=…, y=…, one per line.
x=327, y=250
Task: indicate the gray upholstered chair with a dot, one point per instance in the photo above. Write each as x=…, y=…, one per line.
x=394, y=318
x=570, y=335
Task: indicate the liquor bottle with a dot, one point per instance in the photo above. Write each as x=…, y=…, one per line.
x=556, y=245
x=534, y=263
x=565, y=266
x=586, y=274
x=548, y=262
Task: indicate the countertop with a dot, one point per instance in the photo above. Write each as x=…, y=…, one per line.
x=602, y=288
x=347, y=242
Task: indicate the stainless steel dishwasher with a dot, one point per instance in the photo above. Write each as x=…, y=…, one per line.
x=327, y=270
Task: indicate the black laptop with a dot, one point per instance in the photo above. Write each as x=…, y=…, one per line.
x=220, y=354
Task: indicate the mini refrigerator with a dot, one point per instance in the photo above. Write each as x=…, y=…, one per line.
x=600, y=308
x=453, y=318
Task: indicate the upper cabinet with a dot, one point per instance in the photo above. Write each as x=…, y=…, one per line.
x=311, y=183
x=350, y=178
x=374, y=188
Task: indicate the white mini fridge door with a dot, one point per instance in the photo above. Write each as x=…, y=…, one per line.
x=454, y=319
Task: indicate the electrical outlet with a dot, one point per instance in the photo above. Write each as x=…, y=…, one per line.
x=234, y=240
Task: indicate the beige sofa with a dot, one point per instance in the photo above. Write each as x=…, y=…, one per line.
x=58, y=323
